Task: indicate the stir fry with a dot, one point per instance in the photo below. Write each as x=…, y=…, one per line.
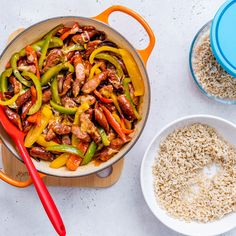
x=75, y=94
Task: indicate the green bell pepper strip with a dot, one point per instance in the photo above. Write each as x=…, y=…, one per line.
x=65, y=110
x=37, y=105
x=16, y=72
x=45, y=46
x=44, y=50
x=66, y=148
x=126, y=82
x=4, y=82
x=90, y=153
x=55, y=94
x=54, y=43
x=113, y=60
x=104, y=137
x=74, y=47
x=53, y=31
x=53, y=71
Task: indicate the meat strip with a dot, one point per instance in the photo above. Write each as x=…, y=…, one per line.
x=82, y=135
x=41, y=153
x=23, y=98
x=126, y=107
x=13, y=117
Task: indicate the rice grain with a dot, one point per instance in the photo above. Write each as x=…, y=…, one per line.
x=181, y=185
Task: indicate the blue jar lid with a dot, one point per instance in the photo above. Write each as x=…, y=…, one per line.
x=223, y=36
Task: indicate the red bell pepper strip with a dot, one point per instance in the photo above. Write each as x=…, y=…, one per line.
x=29, y=50
x=103, y=99
x=73, y=162
x=33, y=118
x=83, y=146
x=33, y=94
x=73, y=30
x=126, y=131
x=114, y=124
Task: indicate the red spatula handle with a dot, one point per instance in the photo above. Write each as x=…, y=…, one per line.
x=42, y=191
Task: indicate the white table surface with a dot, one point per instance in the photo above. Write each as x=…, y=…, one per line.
x=119, y=210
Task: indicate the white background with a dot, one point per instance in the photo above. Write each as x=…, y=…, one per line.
x=119, y=210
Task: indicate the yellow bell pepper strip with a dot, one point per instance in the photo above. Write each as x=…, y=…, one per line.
x=16, y=72
x=60, y=161
x=4, y=82
x=90, y=153
x=53, y=71
x=36, y=130
x=54, y=88
x=113, y=123
x=102, y=49
x=37, y=105
x=115, y=115
x=104, y=137
x=64, y=110
x=126, y=82
x=93, y=70
x=9, y=101
x=133, y=72
x=73, y=47
x=41, y=141
x=130, y=64
x=113, y=60
x=97, y=71
x=81, y=109
x=44, y=50
x=65, y=148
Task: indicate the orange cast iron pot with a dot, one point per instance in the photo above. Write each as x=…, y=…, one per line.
x=34, y=33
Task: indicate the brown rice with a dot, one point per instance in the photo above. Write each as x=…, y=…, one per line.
x=181, y=185
x=211, y=76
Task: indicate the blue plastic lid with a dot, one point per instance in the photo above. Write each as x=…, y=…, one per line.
x=223, y=36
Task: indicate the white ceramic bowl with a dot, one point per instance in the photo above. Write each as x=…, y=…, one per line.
x=228, y=222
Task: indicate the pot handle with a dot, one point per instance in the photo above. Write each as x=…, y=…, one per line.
x=17, y=183
x=144, y=53
x=13, y=182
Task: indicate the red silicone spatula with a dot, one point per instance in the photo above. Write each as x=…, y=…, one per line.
x=44, y=195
